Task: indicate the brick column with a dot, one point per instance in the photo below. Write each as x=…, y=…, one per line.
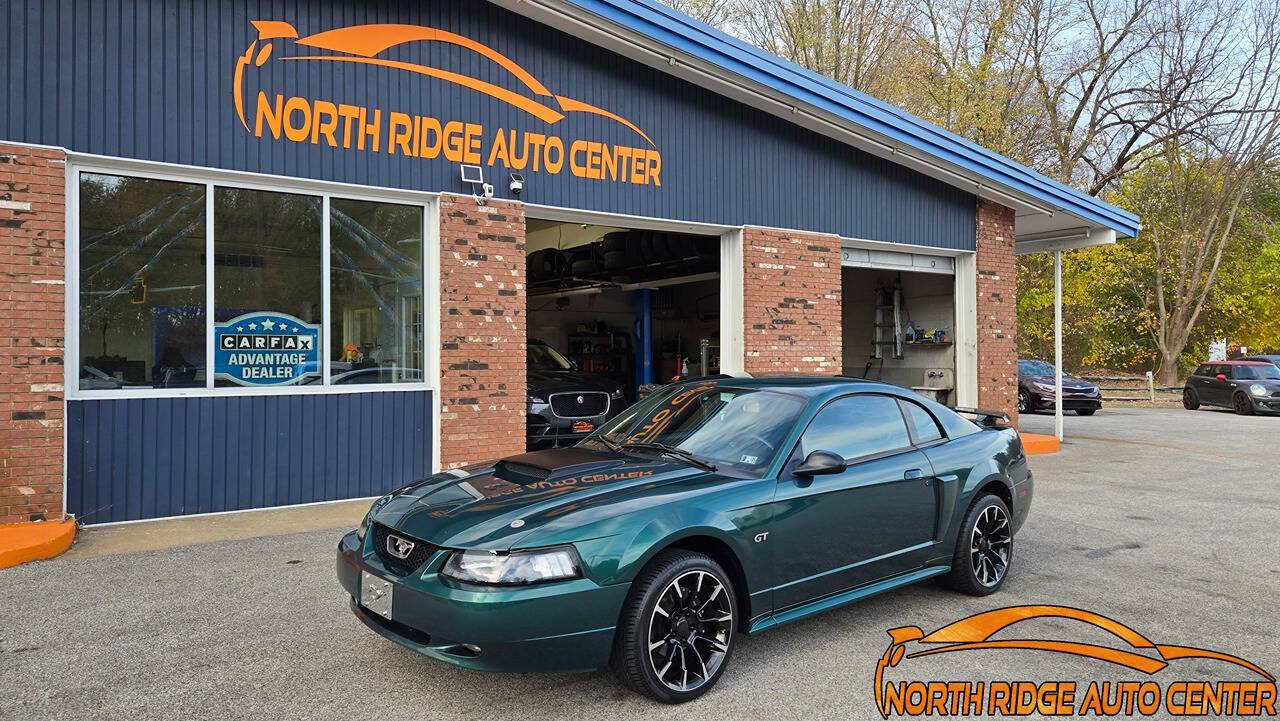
x=482, y=330
x=32, y=282
x=791, y=302
x=997, y=309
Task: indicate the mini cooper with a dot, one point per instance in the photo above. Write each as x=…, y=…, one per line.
x=713, y=508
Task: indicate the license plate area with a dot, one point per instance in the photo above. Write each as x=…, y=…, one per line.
x=583, y=426
x=375, y=594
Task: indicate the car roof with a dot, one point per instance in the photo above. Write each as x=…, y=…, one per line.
x=809, y=386
x=1236, y=363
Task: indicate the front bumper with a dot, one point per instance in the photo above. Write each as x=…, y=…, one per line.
x=555, y=627
x=545, y=428
x=1265, y=404
x=1069, y=402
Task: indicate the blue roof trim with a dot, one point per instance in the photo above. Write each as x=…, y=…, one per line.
x=683, y=33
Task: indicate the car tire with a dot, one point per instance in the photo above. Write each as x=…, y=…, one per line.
x=654, y=612
x=974, y=564
x=1024, y=401
x=1086, y=411
x=1241, y=404
x=1190, y=400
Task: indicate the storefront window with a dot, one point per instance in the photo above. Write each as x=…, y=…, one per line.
x=144, y=254
x=375, y=295
x=142, y=283
x=266, y=256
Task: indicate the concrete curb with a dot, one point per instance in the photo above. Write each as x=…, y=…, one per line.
x=24, y=542
x=1037, y=444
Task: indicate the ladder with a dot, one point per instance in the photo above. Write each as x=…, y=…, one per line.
x=888, y=299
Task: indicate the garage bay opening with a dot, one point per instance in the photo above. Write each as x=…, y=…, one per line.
x=898, y=319
x=614, y=312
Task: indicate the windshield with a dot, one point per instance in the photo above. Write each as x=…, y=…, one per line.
x=545, y=358
x=1037, y=368
x=1257, y=373
x=734, y=428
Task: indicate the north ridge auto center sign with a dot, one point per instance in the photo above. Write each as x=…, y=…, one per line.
x=264, y=348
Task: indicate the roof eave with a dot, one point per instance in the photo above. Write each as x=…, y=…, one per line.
x=667, y=40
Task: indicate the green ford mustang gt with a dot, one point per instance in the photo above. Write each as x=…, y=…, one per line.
x=712, y=508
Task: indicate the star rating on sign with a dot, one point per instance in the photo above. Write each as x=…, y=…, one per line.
x=253, y=326
x=268, y=324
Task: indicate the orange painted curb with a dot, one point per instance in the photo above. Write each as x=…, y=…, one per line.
x=23, y=542
x=1037, y=444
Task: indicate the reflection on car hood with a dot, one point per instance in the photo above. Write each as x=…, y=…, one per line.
x=474, y=508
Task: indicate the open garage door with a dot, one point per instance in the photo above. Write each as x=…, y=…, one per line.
x=613, y=312
x=899, y=321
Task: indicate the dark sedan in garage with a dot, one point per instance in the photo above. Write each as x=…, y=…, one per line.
x=1036, y=390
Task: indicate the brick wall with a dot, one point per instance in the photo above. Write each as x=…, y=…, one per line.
x=791, y=302
x=482, y=328
x=32, y=283
x=997, y=309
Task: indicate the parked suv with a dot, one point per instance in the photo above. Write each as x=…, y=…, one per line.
x=1272, y=359
x=1247, y=387
x=565, y=404
x=1036, y=390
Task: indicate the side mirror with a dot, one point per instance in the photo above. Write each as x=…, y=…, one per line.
x=1220, y=377
x=820, y=463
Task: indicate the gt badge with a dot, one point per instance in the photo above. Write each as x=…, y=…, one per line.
x=762, y=537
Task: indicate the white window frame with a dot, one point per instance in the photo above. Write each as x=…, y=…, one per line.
x=429, y=203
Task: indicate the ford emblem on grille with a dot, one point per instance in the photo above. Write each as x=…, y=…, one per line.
x=399, y=547
x=580, y=400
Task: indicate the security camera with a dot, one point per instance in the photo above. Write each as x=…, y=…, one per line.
x=488, y=190
x=517, y=183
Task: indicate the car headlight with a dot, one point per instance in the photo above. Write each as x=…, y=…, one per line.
x=616, y=395
x=1258, y=390
x=514, y=569
x=1049, y=387
x=368, y=517
x=536, y=399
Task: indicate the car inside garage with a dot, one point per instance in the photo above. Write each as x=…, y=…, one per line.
x=613, y=312
x=898, y=319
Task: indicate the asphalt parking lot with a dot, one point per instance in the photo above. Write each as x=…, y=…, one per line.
x=1165, y=520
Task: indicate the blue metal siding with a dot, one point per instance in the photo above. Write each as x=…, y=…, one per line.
x=152, y=79
x=129, y=459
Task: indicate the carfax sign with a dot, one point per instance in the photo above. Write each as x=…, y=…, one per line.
x=265, y=348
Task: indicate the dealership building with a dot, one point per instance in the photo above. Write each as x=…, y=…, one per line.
x=258, y=254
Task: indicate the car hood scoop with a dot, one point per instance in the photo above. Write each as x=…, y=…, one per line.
x=478, y=505
x=553, y=463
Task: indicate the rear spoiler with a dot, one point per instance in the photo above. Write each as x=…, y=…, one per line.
x=985, y=418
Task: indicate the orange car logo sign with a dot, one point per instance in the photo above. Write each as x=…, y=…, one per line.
x=1254, y=696
x=341, y=125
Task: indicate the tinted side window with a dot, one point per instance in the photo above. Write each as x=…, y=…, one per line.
x=1222, y=370
x=923, y=427
x=856, y=426
x=1203, y=370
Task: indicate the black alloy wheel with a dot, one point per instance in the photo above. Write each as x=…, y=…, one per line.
x=1024, y=401
x=677, y=628
x=984, y=548
x=1243, y=406
x=1190, y=400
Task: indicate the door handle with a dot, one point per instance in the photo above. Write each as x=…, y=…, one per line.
x=913, y=474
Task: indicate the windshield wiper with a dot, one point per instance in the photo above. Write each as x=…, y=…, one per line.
x=673, y=451
x=610, y=444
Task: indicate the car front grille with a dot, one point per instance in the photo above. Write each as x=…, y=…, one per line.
x=579, y=405
x=400, y=566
